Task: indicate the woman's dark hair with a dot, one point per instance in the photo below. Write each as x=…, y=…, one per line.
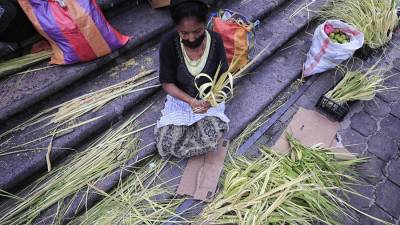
x=195, y=9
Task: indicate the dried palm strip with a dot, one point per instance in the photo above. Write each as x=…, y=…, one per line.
x=35, y=70
x=33, y=149
x=20, y=63
x=6, y=194
x=67, y=112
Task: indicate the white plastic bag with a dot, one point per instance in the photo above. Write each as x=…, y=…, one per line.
x=325, y=54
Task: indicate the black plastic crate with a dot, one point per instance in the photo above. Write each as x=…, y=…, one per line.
x=332, y=108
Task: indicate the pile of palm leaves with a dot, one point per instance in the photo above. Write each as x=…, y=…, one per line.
x=300, y=188
x=109, y=152
x=375, y=18
x=359, y=85
x=137, y=200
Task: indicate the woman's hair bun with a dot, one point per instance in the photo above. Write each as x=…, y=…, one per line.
x=188, y=8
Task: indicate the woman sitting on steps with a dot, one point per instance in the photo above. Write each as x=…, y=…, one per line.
x=189, y=126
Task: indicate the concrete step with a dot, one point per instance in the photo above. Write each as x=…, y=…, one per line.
x=18, y=92
x=275, y=73
x=281, y=65
x=251, y=98
x=14, y=172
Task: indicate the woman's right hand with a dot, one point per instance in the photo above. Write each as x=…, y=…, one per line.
x=199, y=106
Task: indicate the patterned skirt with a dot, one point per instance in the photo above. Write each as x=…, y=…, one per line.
x=187, y=141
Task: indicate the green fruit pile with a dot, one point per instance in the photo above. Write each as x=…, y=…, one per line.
x=338, y=36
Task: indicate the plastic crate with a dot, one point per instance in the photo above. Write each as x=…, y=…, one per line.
x=332, y=108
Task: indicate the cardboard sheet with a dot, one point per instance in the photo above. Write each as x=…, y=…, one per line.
x=202, y=172
x=311, y=128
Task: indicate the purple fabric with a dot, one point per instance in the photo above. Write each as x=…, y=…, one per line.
x=50, y=27
x=106, y=31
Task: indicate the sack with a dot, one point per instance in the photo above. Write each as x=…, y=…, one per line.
x=325, y=54
x=238, y=35
x=76, y=29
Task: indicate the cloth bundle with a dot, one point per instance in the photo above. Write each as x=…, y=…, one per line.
x=76, y=29
x=238, y=35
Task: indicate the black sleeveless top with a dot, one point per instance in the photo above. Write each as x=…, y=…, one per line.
x=172, y=63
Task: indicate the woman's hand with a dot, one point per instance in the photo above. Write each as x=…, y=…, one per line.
x=199, y=106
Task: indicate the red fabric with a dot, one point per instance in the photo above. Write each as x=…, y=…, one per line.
x=40, y=46
x=75, y=38
x=76, y=32
x=318, y=57
x=227, y=31
x=236, y=43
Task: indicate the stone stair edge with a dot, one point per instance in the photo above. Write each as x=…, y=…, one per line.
x=145, y=152
x=56, y=152
x=107, y=183
x=13, y=107
x=73, y=72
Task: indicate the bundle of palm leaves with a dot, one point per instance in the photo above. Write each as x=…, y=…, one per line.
x=218, y=89
x=63, y=117
x=375, y=18
x=277, y=189
x=137, y=200
x=359, y=85
x=109, y=152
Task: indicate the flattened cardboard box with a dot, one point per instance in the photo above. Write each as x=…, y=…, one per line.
x=159, y=3
x=311, y=128
x=201, y=175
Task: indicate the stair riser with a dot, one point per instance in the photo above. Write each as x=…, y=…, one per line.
x=247, y=90
x=275, y=72
x=21, y=173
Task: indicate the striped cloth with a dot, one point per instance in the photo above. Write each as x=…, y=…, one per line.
x=178, y=112
x=76, y=29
